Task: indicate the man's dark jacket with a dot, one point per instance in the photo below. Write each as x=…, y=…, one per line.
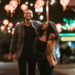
x=17, y=41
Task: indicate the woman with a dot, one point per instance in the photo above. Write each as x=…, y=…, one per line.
x=45, y=34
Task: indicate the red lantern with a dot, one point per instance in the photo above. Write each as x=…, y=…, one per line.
x=24, y=7
x=39, y=11
x=73, y=24
x=39, y=4
x=5, y=22
x=58, y=26
x=3, y=28
x=64, y=3
x=10, y=25
x=11, y=8
x=59, y=30
x=6, y=8
x=69, y=28
x=13, y=3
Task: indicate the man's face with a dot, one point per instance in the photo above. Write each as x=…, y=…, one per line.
x=28, y=14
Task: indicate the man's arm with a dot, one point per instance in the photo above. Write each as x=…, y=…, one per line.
x=12, y=48
x=36, y=24
x=13, y=40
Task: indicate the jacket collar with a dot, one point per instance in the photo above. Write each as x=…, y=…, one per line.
x=31, y=24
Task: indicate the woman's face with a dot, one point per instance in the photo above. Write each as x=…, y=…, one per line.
x=45, y=26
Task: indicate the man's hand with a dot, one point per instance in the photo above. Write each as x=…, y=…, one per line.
x=10, y=56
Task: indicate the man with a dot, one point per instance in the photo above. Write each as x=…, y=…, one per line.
x=22, y=43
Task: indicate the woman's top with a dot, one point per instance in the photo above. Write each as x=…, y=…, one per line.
x=41, y=49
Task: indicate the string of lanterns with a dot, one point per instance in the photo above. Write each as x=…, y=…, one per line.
x=11, y=7
x=13, y=4
x=8, y=27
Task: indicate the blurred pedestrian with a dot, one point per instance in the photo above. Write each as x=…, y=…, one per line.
x=68, y=53
x=62, y=51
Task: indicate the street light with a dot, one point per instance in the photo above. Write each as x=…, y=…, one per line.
x=47, y=10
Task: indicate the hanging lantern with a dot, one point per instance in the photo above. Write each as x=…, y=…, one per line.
x=69, y=28
x=11, y=8
x=64, y=3
x=73, y=24
x=59, y=30
x=3, y=28
x=10, y=25
x=58, y=26
x=24, y=7
x=6, y=8
x=5, y=22
x=39, y=4
x=39, y=11
x=13, y=3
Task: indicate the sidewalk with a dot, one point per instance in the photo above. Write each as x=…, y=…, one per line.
x=66, y=69
x=11, y=68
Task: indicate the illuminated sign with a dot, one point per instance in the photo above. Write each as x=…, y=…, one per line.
x=67, y=34
x=67, y=38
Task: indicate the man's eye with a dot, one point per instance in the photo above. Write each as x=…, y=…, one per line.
x=27, y=13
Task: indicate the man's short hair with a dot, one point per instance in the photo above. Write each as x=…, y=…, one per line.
x=30, y=11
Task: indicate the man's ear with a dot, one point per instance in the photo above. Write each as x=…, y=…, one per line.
x=32, y=15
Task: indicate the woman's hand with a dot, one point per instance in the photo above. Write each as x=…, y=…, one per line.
x=52, y=36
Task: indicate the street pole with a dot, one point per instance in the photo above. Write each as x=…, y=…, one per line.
x=47, y=10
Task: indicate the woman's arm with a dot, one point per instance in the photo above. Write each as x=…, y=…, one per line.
x=50, y=44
